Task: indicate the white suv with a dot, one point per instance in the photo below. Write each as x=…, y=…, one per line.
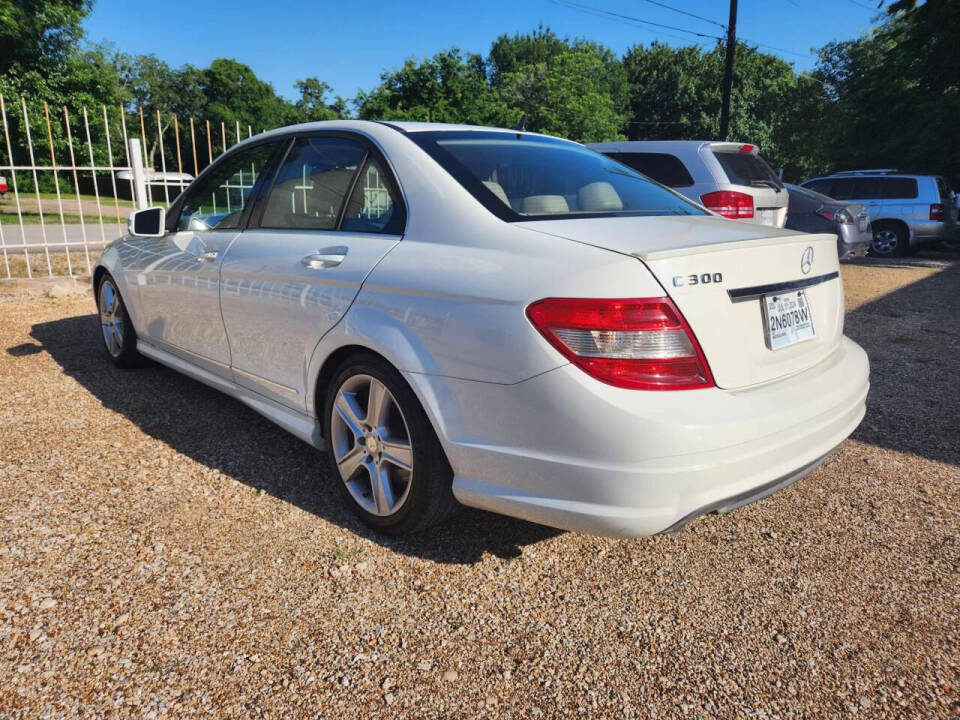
x=729, y=178
x=905, y=210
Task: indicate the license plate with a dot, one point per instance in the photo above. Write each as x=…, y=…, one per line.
x=787, y=319
x=862, y=225
x=767, y=217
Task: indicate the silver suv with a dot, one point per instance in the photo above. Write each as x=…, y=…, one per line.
x=905, y=210
x=730, y=179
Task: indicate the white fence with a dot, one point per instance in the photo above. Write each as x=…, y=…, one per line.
x=56, y=215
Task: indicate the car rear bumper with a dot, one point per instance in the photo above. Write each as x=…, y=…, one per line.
x=852, y=243
x=929, y=231
x=565, y=450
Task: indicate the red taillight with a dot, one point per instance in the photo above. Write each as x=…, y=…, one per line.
x=746, y=148
x=729, y=203
x=642, y=343
x=936, y=212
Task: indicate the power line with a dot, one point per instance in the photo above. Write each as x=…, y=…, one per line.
x=631, y=19
x=639, y=21
x=684, y=12
x=865, y=7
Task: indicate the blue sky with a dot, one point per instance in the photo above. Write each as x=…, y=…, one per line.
x=348, y=44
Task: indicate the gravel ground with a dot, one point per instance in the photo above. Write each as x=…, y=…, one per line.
x=165, y=552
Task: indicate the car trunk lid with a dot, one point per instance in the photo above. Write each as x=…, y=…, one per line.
x=717, y=272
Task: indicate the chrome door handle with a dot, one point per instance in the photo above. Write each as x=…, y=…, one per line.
x=208, y=255
x=326, y=258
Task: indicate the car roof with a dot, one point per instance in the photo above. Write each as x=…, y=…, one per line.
x=868, y=174
x=686, y=148
x=373, y=127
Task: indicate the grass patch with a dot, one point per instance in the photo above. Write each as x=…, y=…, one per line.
x=31, y=218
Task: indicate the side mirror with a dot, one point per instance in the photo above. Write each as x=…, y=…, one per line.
x=147, y=223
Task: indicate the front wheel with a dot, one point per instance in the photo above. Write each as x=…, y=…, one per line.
x=383, y=451
x=889, y=241
x=116, y=330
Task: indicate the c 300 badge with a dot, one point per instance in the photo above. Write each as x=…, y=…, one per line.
x=697, y=279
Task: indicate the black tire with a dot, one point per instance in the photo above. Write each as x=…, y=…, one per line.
x=889, y=240
x=429, y=496
x=121, y=348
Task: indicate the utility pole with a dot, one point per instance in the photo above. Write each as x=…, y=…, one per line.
x=728, y=71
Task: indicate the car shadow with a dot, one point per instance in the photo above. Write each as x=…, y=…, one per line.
x=912, y=336
x=224, y=434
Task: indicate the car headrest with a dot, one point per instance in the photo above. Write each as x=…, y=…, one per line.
x=599, y=196
x=544, y=205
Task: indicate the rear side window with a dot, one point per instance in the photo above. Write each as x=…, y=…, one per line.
x=312, y=184
x=899, y=188
x=866, y=188
x=373, y=206
x=746, y=169
x=665, y=168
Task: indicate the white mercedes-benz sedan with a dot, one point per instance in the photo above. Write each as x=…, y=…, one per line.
x=493, y=318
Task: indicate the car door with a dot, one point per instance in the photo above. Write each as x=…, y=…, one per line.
x=179, y=281
x=332, y=212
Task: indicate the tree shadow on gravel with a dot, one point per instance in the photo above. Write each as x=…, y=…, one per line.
x=222, y=433
x=912, y=336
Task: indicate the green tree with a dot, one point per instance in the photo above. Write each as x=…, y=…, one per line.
x=313, y=104
x=39, y=33
x=572, y=88
x=445, y=88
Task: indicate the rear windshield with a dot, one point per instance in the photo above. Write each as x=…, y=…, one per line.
x=662, y=167
x=747, y=169
x=525, y=177
x=946, y=193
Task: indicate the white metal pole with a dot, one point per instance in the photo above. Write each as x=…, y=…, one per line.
x=139, y=177
x=93, y=174
x=36, y=186
x=16, y=191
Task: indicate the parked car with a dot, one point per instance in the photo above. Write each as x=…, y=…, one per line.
x=496, y=318
x=730, y=179
x=815, y=213
x=906, y=210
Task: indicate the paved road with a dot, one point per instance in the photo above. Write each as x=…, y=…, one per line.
x=58, y=234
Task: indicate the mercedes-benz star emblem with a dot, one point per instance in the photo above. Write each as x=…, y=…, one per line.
x=806, y=260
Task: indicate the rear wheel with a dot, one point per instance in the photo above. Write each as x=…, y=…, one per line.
x=116, y=330
x=889, y=240
x=382, y=449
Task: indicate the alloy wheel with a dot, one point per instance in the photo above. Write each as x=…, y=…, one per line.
x=371, y=445
x=111, y=318
x=885, y=241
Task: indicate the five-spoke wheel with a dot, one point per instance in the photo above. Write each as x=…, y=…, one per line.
x=116, y=330
x=384, y=453
x=371, y=445
x=111, y=317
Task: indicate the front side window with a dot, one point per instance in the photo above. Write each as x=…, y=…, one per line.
x=529, y=177
x=842, y=189
x=312, y=184
x=217, y=200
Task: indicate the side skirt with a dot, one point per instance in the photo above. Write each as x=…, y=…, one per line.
x=297, y=424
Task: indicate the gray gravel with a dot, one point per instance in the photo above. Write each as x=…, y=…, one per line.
x=164, y=552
